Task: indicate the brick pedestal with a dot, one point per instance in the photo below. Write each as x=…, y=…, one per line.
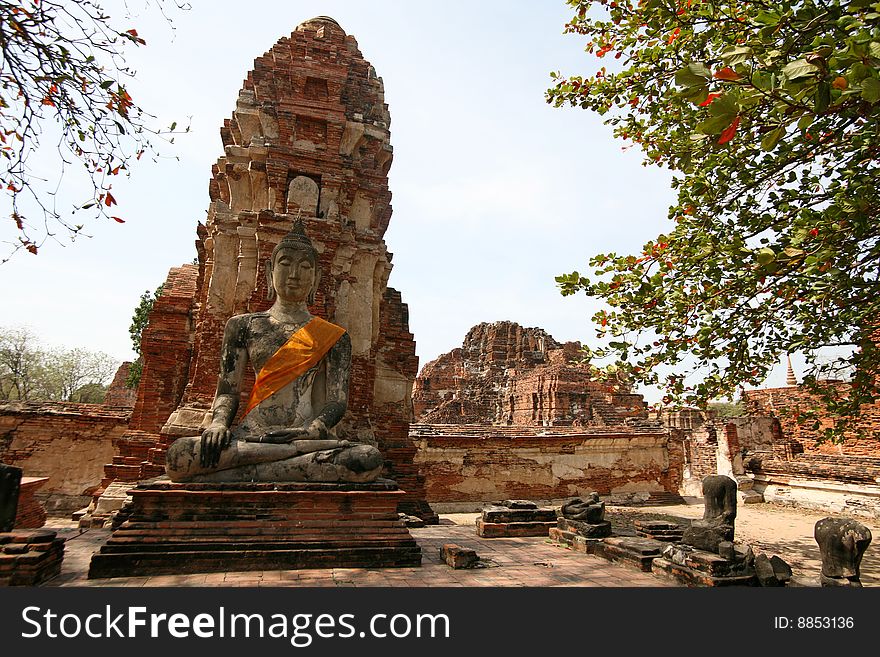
x=29, y=557
x=31, y=514
x=697, y=568
x=204, y=528
x=514, y=518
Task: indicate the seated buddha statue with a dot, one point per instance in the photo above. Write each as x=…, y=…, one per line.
x=302, y=362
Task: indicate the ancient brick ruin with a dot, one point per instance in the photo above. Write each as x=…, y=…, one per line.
x=309, y=137
x=66, y=442
x=775, y=459
x=504, y=374
x=118, y=393
x=512, y=413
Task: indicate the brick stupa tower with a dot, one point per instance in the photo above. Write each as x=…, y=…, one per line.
x=309, y=136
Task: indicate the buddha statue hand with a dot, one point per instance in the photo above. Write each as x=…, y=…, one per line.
x=316, y=431
x=215, y=439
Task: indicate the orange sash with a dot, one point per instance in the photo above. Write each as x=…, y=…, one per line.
x=302, y=351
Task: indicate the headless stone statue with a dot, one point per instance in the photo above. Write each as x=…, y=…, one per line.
x=719, y=514
x=591, y=510
x=842, y=542
x=10, y=483
x=300, y=394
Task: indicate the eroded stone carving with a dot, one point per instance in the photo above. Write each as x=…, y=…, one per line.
x=303, y=365
x=591, y=510
x=717, y=525
x=302, y=194
x=842, y=542
x=10, y=481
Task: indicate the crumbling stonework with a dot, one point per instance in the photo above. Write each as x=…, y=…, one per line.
x=784, y=404
x=771, y=464
x=119, y=394
x=483, y=463
x=66, y=442
x=309, y=137
x=504, y=374
x=166, y=346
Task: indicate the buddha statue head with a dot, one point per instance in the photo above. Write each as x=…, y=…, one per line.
x=294, y=260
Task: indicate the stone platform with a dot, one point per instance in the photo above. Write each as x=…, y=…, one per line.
x=515, y=518
x=29, y=557
x=698, y=568
x=630, y=551
x=204, y=528
x=659, y=530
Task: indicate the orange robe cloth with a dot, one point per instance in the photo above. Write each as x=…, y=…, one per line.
x=302, y=351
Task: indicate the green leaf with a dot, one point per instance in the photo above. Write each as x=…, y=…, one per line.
x=768, y=143
x=800, y=68
x=736, y=55
x=806, y=121
x=714, y=125
x=693, y=75
x=767, y=18
x=766, y=256
x=871, y=90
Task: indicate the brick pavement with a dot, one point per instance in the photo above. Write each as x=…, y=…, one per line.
x=509, y=562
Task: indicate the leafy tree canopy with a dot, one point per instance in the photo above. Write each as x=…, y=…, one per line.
x=139, y=321
x=31, y=372
x=63, y=86
x=767, y=112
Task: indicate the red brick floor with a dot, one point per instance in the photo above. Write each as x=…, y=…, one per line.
x=507, y=562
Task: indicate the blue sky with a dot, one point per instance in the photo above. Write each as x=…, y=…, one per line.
x=494, y=191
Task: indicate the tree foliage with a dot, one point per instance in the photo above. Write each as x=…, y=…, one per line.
x=63, y=86
x=139, y=321
x=767, y=112
x=31, y=372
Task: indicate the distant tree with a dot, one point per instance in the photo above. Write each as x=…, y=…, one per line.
x=63, y=86
x=90, y=393
x=727, y=409
x=30, y=372
x=21, y=364
x=769, y=115
x=139, y=321
x=70, y=373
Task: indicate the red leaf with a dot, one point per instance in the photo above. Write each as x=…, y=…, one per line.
x=709, y=99
x=726, y=73
x=118, y=220
x=132, y=32
x=32, y=248
x=109, y=200
x=729, y=132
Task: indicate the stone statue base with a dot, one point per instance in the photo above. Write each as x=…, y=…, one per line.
x=698, y=568
x=515, y=518
x=29, y=557
x=171, y=528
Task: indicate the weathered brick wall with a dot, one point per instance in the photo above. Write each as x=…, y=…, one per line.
x=309, y=136
x=68, y=443
x=30, y=513
x=480, y=463
x=784, y=404
x=505, y=374
x=166, y=346
x=119, y=394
